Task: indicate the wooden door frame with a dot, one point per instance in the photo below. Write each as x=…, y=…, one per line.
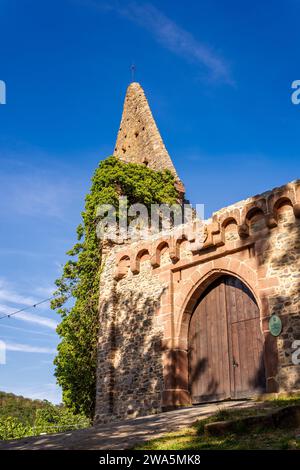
x=175, y=352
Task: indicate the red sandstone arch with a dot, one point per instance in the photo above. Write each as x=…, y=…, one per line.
x=254, y=211
x=199, y=283
x=283, y=200
x=184, y=303
x=258, y=206
x=157, y=252
x=280, y=202
x=229, y=220
x=136, y=261
x=179, y=240
x=159, y=247
x=288, y=195
x=223, y=218
x=123, y=265
x=252, y=207
x=177, y=391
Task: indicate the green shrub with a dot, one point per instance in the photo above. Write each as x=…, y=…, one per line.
x=12, y=428
x=52, y=419
x=49, y=419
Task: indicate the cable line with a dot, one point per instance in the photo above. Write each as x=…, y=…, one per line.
x=8, y=315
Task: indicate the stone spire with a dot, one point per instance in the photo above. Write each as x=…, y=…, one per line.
x=139, y=140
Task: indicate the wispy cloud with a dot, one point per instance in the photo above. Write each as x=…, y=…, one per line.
x=37, y=320
x=173, y=37
x=29, y=332
x=25, y=253
x=9, y=296
x=29, y=317
x=34, y=189
x=45, y=291
x=27, y=348
x=35, y=195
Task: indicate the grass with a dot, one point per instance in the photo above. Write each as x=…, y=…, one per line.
x=194, y=438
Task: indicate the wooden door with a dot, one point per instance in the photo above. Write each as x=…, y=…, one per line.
x=209, y=376
x=245, y=340
x=225, y=343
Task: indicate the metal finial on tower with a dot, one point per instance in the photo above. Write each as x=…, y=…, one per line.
x=133, y=70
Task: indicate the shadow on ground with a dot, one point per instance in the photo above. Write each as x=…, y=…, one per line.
x=121, y=435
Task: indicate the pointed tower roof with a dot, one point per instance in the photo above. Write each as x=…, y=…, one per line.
x=139, y=140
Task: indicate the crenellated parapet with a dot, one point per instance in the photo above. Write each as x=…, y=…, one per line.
x=248, y=219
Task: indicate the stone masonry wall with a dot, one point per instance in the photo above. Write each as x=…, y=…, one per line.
x=130, y=377
x=149, y=290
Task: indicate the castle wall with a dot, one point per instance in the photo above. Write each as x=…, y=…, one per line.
x=130, y=369
x=149, y=291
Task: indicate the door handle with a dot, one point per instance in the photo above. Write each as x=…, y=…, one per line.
x=235, y=364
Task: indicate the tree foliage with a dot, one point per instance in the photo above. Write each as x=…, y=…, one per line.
x=53, y=418
x=12, y=428
x=20, y=417
x=19, y=407
x=77, y=351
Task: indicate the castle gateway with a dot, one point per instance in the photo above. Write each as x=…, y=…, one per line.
x=180, y=326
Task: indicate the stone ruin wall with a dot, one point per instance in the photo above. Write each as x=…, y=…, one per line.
x=149, y=289
x=130, y=375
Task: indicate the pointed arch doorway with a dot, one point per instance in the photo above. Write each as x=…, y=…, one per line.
x=225, y=343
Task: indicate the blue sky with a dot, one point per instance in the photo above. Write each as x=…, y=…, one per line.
x=218, y=78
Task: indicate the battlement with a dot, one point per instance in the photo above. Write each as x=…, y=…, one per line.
x=234, y=226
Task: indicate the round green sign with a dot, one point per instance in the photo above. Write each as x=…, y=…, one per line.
x=275, y=325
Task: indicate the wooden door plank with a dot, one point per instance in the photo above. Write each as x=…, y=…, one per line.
x=246, y=330
x=249, y=352
x=202, y=345
x=230, y=306
x=225, y=366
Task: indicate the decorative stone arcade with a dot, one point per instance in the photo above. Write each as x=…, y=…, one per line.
x=152, y=355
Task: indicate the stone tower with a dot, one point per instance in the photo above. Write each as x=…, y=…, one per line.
x=182, y=324
x=139, y=140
